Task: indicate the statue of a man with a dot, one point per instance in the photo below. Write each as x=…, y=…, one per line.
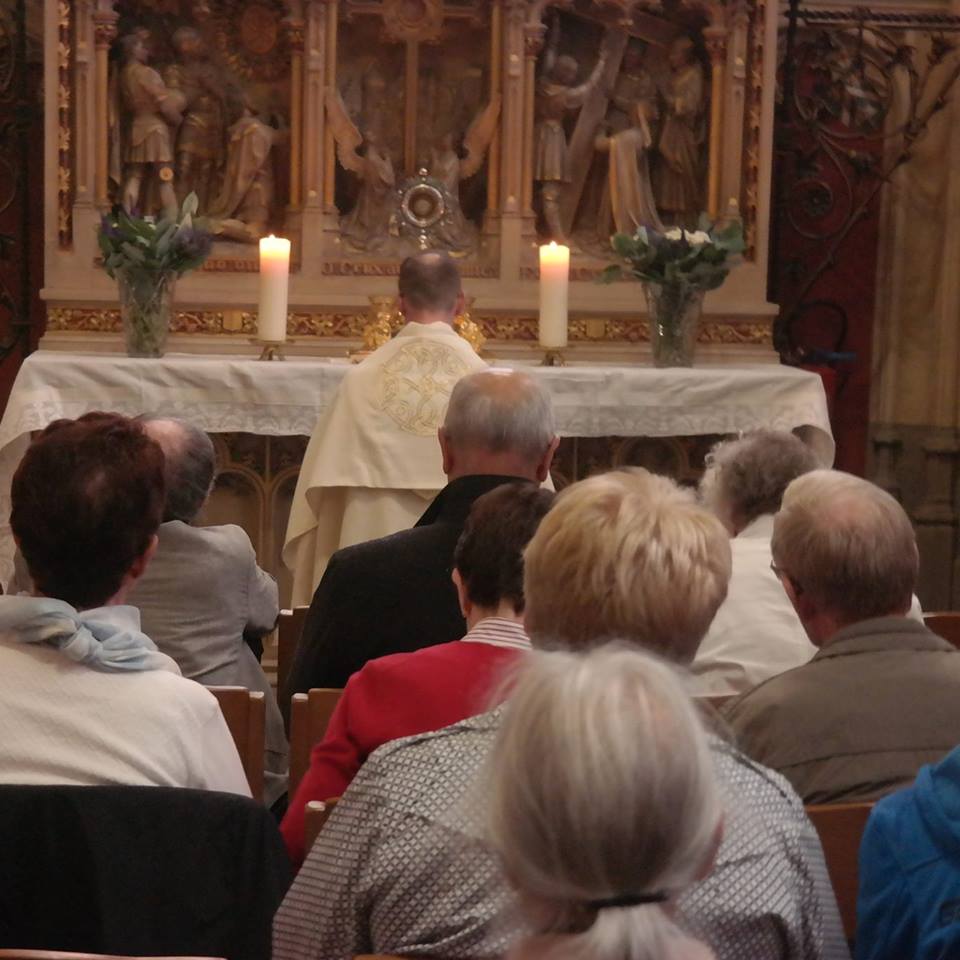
x=153, y=108
x=200, y=139
x=242, y=210
x=628, y=197
x=556, y=97
x=634, y=84
x=680, y=171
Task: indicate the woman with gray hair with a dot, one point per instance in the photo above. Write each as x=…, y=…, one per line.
x=604, y=807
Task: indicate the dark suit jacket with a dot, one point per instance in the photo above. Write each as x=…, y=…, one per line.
x=389, y=595
x=138, y=871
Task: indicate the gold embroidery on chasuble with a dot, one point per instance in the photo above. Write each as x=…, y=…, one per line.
x=415, y=386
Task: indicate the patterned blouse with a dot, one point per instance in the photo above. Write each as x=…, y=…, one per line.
x=401, y=867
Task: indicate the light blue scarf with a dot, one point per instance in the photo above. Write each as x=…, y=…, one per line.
x=105, y=638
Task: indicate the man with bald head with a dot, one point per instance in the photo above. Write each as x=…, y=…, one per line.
x=372, y=465
x=881, y=696
x=203, y=593
x=395, y=594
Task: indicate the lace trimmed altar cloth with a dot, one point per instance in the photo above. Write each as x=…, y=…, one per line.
x=240, y=395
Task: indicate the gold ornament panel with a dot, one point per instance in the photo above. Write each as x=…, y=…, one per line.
x=348, y=325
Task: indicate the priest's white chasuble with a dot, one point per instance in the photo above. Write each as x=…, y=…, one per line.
x=373, y=463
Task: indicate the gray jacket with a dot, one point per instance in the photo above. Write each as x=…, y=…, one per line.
x=200, y=594
x=857, y=722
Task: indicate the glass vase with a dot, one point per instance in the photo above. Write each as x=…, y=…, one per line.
x=146, y=308
x=674, y=318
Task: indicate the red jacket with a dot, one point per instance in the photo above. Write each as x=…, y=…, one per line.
x=398, y=696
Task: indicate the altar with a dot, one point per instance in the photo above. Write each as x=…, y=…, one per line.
x=260, y=414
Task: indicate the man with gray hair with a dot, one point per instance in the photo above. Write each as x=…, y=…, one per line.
x=881, y=697
x=203, y=593
x=395, y=594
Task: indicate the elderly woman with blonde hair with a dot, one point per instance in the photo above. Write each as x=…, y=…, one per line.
x=604, y=806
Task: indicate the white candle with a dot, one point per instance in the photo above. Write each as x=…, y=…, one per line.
x=554, y=281
x=274, y=281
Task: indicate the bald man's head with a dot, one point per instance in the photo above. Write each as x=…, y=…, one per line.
x=430, y=287
x=498, y=421
x=189, y=465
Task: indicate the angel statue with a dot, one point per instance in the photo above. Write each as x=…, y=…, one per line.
x=457, y=233
x=367, y=225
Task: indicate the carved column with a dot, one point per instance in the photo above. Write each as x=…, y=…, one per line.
x=330, y=80
x=511, y=163
x=314, y=112
x=105, y=32
x=533, y=36
x=295, y=29
x=496, y=85
x=715, y=37
x=733, y=93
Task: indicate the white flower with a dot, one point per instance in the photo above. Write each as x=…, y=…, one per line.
x=675, y=234
x=698, y=238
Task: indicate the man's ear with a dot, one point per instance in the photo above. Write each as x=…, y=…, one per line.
x=446, y=450
x=543, y=467
x=458, y=307
x=465, y=605
x=402, y=306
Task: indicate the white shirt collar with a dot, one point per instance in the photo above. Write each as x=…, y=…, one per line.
x=761, y=528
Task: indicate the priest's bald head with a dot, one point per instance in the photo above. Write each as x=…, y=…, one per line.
x=429, y=288
x=498, y=422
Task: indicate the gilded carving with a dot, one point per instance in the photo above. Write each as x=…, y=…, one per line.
x=417, y=21
x=253, y=44
x=383, y=316
x=64, y=95
x=751, y=147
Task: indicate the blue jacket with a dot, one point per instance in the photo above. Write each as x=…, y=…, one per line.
x=908, y=906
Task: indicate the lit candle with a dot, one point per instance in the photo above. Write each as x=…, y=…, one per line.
x=554, y=280
x=274, y=280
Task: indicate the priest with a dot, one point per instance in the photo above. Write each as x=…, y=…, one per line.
x=373, y=464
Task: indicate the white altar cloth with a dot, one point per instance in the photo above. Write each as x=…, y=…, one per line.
x=241, y=395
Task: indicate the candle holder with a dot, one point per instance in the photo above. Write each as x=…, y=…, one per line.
x=553, y=357
x=272, y=349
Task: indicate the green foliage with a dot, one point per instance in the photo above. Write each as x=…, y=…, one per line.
x=139, y=248
x=699, y=259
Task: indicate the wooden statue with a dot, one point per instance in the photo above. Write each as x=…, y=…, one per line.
x=628, y=198
x=556, y=97
x=457, y=233
x=367, y=225
x=242, y=210
x=679, y=173
x=200, y=139
x=153, y=107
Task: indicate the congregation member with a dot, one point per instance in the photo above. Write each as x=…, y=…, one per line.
x=610, y=731
x=372, y=465
x=394, y=594
x=881, y=697
x=756, y=633
x=402, y=865
x=203, y=599
x=407, y=693
x=85, y=696
x=909, y=897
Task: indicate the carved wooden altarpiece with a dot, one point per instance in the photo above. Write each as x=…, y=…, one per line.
x=393, y=125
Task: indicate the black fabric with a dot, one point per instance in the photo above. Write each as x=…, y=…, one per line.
x=138, y=871
x=389, y=595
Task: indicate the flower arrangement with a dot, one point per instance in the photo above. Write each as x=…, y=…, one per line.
x=677, y=267
x=699, y=258
x=145, y=256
